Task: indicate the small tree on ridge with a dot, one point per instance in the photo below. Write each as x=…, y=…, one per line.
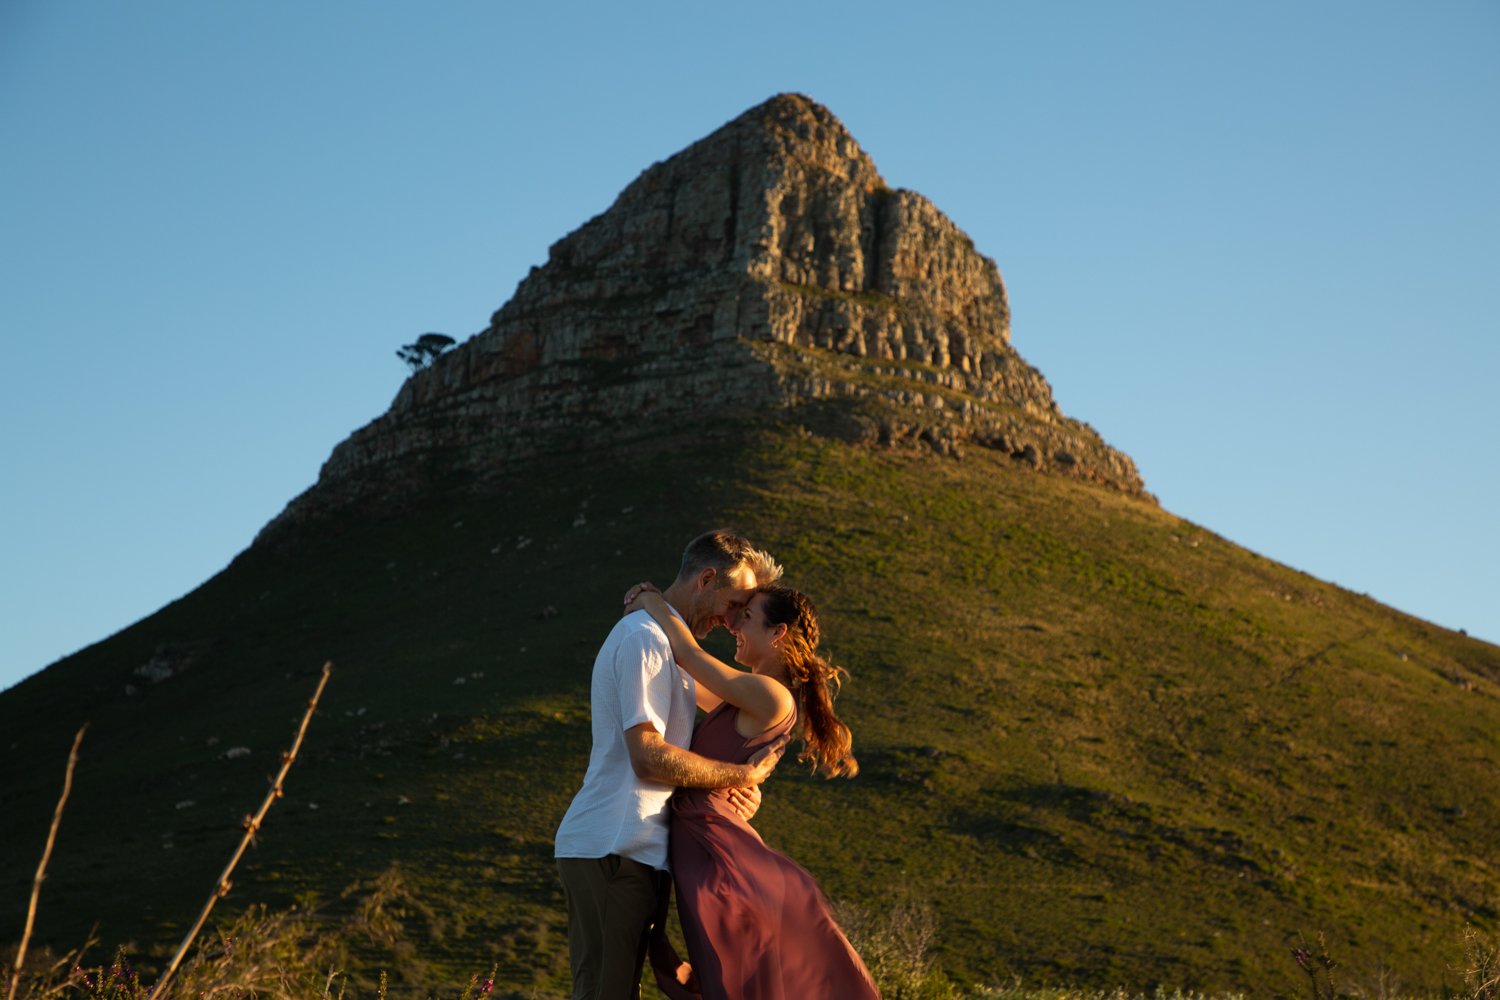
x=425, y=351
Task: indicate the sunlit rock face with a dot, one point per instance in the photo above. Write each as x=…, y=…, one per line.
x=763, y=268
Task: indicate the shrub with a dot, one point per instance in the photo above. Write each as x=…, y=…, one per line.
x=894, y=943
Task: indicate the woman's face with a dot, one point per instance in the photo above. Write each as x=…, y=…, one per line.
x=753, y=637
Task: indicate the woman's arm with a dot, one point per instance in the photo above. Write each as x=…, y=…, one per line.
x=707, y=700
x=764, y=700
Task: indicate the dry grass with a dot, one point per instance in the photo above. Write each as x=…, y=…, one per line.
x=300, y=955
x=1481, y=966
x=895, y=942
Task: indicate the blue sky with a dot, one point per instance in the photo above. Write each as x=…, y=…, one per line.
x=1255, y=245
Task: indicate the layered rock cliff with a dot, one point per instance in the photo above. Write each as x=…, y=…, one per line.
x=765, y=268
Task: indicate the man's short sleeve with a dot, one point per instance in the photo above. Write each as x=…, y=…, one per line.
x=643, y=680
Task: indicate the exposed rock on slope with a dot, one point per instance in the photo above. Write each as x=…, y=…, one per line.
x=763, y=268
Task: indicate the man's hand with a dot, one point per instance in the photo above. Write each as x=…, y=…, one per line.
x=744, y=801
x=763, y=763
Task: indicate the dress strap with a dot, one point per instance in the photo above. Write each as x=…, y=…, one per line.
x=782, y=730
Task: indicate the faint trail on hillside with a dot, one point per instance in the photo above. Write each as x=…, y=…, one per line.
x=1301, y=665
x=1169, y=715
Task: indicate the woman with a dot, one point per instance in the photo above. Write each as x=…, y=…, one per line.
x=756, y=923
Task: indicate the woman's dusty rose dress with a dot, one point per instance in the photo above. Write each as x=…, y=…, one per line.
x=756, y=923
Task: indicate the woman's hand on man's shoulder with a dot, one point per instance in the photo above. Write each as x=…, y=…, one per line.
x=635, y=595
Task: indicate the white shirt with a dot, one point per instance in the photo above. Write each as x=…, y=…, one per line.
x=635, y=681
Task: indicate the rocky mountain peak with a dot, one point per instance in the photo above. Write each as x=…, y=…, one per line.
x=765, y=267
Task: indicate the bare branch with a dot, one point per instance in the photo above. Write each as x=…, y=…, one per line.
x=251, y=824
x=41, y=869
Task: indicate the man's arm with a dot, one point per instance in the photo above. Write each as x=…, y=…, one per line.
x=654, y=759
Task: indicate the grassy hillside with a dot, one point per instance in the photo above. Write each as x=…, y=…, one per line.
x=1105, y=745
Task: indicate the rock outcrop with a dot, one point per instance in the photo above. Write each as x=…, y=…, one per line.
x=763, y=268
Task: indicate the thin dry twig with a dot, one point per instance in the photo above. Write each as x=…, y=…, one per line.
x=41, y=869
x=252, y=824
x=1314, y=961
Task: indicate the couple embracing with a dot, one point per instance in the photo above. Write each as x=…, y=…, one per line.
x=660, y=797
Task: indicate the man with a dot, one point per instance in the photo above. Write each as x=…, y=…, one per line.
x=611, y=846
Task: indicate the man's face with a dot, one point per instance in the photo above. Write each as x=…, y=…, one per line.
x=721, y=599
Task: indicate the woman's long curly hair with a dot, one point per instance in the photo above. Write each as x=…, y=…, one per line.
x=814, y=682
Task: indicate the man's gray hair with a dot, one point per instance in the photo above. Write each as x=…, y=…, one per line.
x=723, y=550
x=767, y=570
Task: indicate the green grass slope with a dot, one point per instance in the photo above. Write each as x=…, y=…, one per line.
x=1105, y=745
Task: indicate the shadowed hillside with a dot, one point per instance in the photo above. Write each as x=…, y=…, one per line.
x=1105, y=745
